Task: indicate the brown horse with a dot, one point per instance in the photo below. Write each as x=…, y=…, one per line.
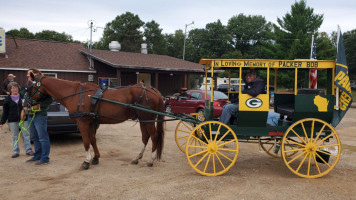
x=77, y=98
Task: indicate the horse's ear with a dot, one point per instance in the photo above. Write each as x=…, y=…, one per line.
x=32, y=76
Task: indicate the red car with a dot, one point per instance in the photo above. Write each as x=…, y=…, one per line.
x=193, y=101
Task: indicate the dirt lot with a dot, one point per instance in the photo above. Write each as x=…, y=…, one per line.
x=255, y=175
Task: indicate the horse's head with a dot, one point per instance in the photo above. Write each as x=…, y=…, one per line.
x=33, y=93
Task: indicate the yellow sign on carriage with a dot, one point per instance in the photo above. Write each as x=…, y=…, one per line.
x=256, y=63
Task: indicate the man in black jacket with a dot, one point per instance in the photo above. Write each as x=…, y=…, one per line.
x=254, y=86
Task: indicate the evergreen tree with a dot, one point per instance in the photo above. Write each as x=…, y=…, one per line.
x=126, y=30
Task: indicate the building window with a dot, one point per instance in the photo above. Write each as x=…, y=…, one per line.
x=107, y=81
x=53, y=75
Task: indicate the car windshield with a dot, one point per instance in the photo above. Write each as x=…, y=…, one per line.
x=218, y=95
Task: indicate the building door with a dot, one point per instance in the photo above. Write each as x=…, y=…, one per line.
x=145, y=77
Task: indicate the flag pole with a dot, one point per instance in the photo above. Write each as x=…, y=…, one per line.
x=337, y=50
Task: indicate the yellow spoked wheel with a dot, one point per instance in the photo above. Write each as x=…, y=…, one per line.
x=272, y=146
x=184, y=129
x=318, y=148
x=218, y=148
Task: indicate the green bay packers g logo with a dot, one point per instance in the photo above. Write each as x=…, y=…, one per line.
x=254, y=103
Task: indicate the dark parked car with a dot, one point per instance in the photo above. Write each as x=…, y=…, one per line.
x=193, y=101
x=59, y=120
x=224, y=87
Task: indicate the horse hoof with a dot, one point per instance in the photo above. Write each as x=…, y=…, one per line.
x=149, y=164
x=84, y=166
x=95, y=161
x=134, y=162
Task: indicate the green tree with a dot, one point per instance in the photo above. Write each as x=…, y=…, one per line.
x=249, y=34
x=349, y=39
x=54, y=36
x=126, y=30
x=211, y=42
x=293, y=35
x=175, y=44
x=154, y=38
x=22, y=33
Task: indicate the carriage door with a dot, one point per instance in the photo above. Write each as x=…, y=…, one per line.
x=253, y=111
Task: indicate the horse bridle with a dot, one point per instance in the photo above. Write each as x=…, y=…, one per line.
x=28, y=89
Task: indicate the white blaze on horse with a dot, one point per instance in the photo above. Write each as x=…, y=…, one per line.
x=89, y=112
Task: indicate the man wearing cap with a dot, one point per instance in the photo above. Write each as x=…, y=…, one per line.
x=10, y=79
x=254, y=86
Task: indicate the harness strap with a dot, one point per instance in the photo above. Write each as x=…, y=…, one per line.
x=80, y=102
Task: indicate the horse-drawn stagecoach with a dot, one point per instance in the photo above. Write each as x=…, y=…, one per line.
x=304, y=137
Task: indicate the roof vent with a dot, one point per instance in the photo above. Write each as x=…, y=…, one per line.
x=114, y=46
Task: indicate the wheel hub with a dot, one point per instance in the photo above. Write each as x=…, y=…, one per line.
x=310, y=148
x=212, y=148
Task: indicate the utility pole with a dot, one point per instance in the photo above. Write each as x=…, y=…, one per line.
x=91, y=66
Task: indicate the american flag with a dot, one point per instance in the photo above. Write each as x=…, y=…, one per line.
x=313, y=72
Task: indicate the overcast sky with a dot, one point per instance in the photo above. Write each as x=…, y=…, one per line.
x=72, y=16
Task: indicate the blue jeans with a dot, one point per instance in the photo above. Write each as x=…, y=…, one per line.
x=228, y=110
x=14, y=127
x=40, y=138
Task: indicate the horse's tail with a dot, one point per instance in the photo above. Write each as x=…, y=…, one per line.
x=160, y=129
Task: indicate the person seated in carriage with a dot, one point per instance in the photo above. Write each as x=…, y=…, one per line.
x=254, y=86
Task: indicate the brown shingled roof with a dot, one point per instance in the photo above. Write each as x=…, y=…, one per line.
x=119, y=59
x=43, y=54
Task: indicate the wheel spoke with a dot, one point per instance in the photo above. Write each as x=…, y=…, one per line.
x=321, y=130
x=201, y=159
x=223, y=137
x=317, y=144
x=294, y=150
x=217, y=156
x=214, y=163
x=305, y=133
x=217, y=133
x=312, y=131
x=317, y=165
x=221, y=149
x=309, y=158
x=183, y=136
x=188, y=126
x=298, y=136
x=329, y=145
x=203, y=133
x=272, y=145
x=292, y=160
x=301, y=163
x=323, y=160
x=199, y=139
x=198, y=154
x=291, y=141
x=207, y=163
x=224, y=156
x=211, y=136
x=323, y=152
x=202, y=147
x=226, y=143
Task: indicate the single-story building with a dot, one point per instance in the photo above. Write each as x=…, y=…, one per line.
x=71, y=61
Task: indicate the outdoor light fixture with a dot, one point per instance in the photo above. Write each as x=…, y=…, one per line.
x=185, y=35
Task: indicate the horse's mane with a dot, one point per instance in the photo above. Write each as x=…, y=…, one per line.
x=75, y=82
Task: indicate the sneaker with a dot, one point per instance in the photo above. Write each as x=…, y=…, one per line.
x=31, y=160
x=41, y=163
x=15, y=155
x=30, y=153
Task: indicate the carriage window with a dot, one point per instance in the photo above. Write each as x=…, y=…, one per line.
x=196, y=96
x=54, y=75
